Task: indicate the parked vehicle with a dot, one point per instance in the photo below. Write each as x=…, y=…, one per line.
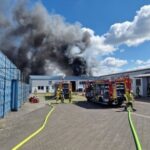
x=108, y=92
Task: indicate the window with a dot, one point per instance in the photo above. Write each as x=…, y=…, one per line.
x=148, y=80
x=138, y=82
x=40, y=87
x=82, y=82
x=53, y=86
x=65, y=85
x=47, y=88
x=50, y=82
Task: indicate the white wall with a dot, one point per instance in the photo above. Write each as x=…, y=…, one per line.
x=36, y=83
x=143, y=87
x=144, y=80
x=35, y=89
x=80, y=86
x=133, y=85
x=44, y=83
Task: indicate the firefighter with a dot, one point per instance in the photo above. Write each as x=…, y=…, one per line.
x=129, y=100
x=91, y=90
x=62, y=95
x=57, y=95
x=70, y=96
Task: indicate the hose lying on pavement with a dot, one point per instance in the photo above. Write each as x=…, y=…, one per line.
x=135, y=135
x=36, y=132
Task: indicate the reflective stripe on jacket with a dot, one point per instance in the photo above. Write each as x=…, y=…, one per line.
x=129, y=97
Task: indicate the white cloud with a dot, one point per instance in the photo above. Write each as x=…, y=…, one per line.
x=139, y=62
x=114, y=62
x=131, y=33
x=104, y=70
x=142, y=64
x=97, y=45
x=95, y=50
x=107, y=66
x=122, y=50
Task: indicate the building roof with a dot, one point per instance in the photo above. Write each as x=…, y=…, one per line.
x=45, y=77
x=74, y=78
x=70, y=78
x=126, y=72
x=142, y=75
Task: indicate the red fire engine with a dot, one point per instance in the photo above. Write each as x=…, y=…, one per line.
x=109, y=92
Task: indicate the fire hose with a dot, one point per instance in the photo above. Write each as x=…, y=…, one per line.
x=133, y=129
x=36, y=132
x=134, y=132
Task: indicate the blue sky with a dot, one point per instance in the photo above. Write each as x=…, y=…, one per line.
x=99, y=15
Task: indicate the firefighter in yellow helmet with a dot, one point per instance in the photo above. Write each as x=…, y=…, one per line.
x=129, y=98
x=57, y=95
x=62, y=95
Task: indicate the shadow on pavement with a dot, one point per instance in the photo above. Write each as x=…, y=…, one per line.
x=143, y=99
x=91, y=105
x=122, y=109
x=49, y=97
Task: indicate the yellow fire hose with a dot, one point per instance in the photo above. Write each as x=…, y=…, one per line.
x=134, y=132
x=36, y=132
x=133, y=129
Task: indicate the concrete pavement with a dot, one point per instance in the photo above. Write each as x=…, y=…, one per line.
x=80, y=126
x=84, y=126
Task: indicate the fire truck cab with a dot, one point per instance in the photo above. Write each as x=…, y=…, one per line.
x=108, y=92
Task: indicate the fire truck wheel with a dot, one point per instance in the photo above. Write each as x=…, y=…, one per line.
x=88, y=99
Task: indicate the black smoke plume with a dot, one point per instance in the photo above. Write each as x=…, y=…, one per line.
x=33, y=39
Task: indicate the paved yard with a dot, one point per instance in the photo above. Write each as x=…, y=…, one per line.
x=84, y=126
x=17, y=125
x=80, y=126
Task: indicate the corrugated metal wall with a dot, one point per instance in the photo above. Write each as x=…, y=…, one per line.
x=13, y=92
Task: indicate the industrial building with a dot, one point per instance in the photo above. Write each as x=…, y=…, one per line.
x=13, y=92
x=140, y=79
x=43, y=84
